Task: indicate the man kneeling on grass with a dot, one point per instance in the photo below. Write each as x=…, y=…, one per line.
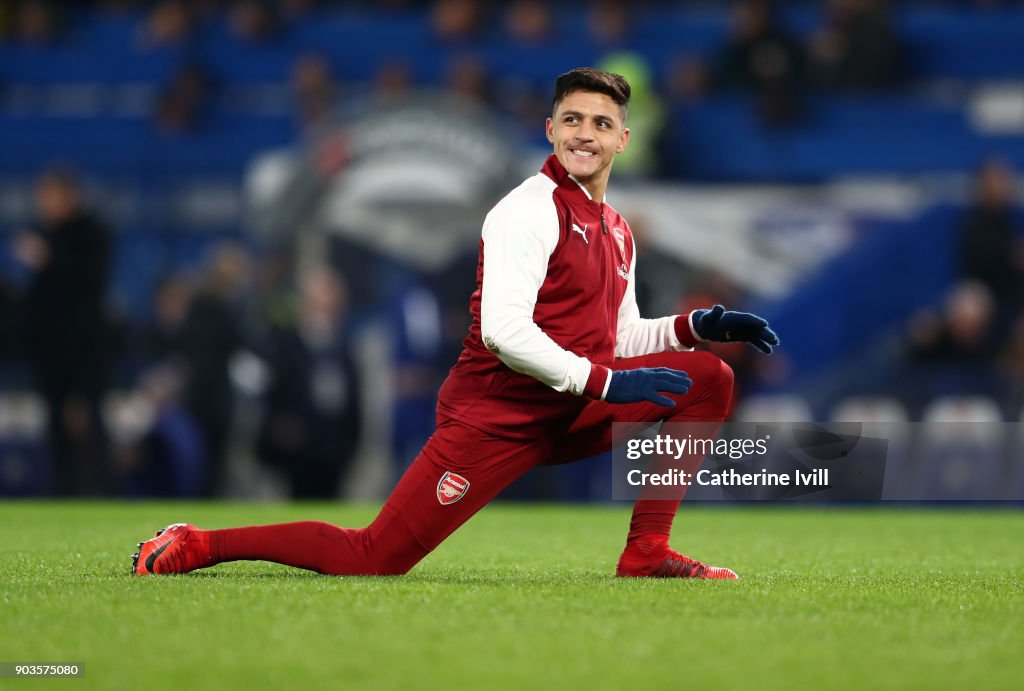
x=556, y=353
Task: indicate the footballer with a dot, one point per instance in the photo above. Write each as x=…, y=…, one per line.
x=556, y=352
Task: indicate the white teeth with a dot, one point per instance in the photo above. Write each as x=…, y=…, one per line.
x=578, y=152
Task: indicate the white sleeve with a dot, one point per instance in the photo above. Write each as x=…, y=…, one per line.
x=637, y=336
x=518, y=241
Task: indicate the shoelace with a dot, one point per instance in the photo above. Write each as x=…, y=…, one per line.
x=677, y=565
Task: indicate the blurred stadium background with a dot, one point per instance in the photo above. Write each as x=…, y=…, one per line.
x=237, y=238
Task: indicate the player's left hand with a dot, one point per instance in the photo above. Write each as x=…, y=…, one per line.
x=717, y=324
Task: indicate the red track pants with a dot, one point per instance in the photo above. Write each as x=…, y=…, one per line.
x=414, y=520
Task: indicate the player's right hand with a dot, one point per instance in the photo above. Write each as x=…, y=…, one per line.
x=646, y=384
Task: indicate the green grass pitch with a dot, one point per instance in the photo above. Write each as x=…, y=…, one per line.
x=857, y=598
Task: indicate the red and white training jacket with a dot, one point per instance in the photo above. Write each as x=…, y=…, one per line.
x=555, y=304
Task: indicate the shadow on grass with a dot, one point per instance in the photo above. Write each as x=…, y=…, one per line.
x=493, y=578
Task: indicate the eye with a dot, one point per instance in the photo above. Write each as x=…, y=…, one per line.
x=570, y=119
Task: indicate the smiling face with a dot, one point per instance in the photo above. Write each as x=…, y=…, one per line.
x=587, y=129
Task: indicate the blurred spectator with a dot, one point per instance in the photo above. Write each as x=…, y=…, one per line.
x=11, y=328
x=456, y=20
x=160, y=450
x=646, y=114
x=312, y=417
x=37, y=22
x=162, y=340
x=608, y=22
x=169, y=458
x=686, y=80
x=991, y=251
x=273, y=291
x=252, y=21
x=763, y=58
x=392, y=80
x=315, y=90
x=661, y=279
x=962, y=334
x=66, y=328
x=466, y=76
x=527, y=104
x=451, y=287
x=528, y=21
x=169, y=24
x=858, y=48
x=211, y=335
x=416, y=319
x=183, y=104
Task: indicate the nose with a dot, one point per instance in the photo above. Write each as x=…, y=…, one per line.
x=585, y=133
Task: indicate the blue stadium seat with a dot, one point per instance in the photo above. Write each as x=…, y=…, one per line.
x=25, y=466
x=964, y=43
x=961, y=452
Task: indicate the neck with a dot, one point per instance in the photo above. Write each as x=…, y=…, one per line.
x=595, y=188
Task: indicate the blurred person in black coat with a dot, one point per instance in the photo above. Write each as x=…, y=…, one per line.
x=991, y=250
x=208, y=339
x=160, y=341
x=10, y=321
x=312, y=419
x=763, y=58
x=954, y=350
x=858, y=48
x=962, y=333
x=66, y=330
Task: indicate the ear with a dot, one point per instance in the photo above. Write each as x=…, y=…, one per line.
x=549, y=130
x=623, y=141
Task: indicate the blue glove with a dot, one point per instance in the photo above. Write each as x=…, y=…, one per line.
x=727, y=327
x=634, y=385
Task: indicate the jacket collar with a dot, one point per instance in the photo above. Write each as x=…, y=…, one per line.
x=553, y=169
